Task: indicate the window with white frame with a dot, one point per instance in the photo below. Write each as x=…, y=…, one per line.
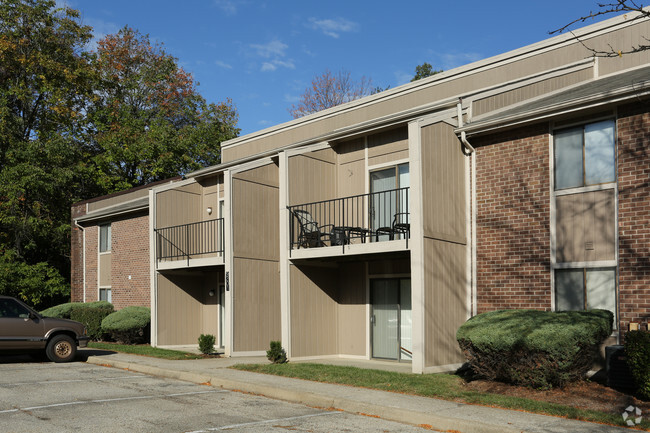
x=584, y=160
x=104, y=238
x=105, y=295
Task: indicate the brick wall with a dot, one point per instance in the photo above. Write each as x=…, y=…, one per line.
x=76, y=255
x=633, y=129
x=130, y=257
x=92, y=247
x=513, y=219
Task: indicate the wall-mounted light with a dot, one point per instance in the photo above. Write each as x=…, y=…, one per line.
x=211, y=293
x=209, y=209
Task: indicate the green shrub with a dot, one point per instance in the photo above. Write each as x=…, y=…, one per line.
x=539, y=349
x=637, y=353
x=91, y=314
x=206, y=343
x=276, y=354
x=63, y=311
x=129, y=325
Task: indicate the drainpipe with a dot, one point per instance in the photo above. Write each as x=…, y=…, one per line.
x=463, y=136
x=83, y=256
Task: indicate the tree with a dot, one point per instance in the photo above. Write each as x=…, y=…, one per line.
x=617, y=7
x=424, y=70
x=329, y=90
x=149, y=122
x=44, y=86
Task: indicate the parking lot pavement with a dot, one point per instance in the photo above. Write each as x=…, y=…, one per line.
x=48, y=397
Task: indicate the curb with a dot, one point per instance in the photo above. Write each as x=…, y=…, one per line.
x=404, y=416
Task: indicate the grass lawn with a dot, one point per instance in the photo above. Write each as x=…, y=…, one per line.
x=144, y=350
x=444, y=386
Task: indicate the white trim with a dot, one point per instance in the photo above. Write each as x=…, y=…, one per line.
x=446, y=116
x=251, y=165
x=417, y=249
x=307, y=149
x=469, y=284
x=228, y=259
x=448, y=368
x=191, y=263
x=83, y=233
x=583, y=189
x=249, y=353
x=585, y=265
x=285, y=275
x=153, y=275
x=371, y=168
x=474, y=237
x=351, y=249
x=337, y=356
x=174, y=185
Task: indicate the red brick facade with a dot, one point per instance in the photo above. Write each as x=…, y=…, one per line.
x=513, y=219
x=129, y=257
x=633, y=129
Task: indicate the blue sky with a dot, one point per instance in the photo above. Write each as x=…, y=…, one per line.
x=263, y=54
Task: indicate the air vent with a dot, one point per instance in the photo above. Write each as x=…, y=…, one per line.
x=589, y=245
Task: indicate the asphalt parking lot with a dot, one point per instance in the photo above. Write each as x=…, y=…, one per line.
x=48, y=397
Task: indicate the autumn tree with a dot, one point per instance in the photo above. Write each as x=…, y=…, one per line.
x=44, y=87
x=149, y=122
x=613, y=8
x=424, y=70
x=329, y=90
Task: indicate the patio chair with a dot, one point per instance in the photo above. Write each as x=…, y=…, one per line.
x=310, y=233
x=401, y=225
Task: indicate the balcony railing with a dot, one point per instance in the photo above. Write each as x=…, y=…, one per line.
x=187, y=241
x=374, y=217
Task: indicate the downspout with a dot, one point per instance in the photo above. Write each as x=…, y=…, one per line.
x=472, y=153
x=83, y=256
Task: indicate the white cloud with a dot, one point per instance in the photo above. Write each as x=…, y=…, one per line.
x=223, y=64
x=402, y=77
x=274, y=52
x=228, y=6
x=264, y=122
x=291, y=98
x=275, y=48
x=453, y=60
x=100, y=30
x=334, y=27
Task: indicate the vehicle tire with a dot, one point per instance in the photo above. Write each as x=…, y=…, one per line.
x=61, y=348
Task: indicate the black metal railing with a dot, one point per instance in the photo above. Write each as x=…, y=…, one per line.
x=374, y=217
x=190, y=240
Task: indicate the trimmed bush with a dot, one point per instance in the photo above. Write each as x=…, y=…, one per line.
x=276, y=354
x=63, y=311
x=637, y=354
x=129, y=325
x=539, y=349
x=206, y=343
x=91, y=314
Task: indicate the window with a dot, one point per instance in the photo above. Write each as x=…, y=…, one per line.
x=587, y=288
x=389, y=200
x=105, y=295
x=585, y=155
x=12, y=309
x=105, y=238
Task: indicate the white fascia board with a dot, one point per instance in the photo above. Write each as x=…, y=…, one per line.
x=174, y=185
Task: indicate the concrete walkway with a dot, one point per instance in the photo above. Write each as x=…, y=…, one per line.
x=440, y=415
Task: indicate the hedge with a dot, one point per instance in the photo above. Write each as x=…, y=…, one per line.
x=637, y=353
x=90, y=314
x=130, y=325
x=539, y=349
x=63, y=311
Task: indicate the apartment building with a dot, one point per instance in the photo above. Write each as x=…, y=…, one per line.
x=374, y=229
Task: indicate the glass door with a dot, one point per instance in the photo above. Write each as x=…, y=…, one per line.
x=386, y=201
x=391, y=318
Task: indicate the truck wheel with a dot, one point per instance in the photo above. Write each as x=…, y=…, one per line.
x=61, y=348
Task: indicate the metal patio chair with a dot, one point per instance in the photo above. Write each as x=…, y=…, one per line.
x=311, y=234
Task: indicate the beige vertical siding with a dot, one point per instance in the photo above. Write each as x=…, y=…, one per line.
x=352, y=300
x=445, y=298
x=523, y=93
x=443, y=184
x=351, y=167
x=585, y=227
x=517, y=68
x=388, y=146
x=256, y=304
x=180, y=205
x=121, y=198
x=313, y=311
x=255, y=282
x=180, y=309
x=312, y=177
x=105, y=269
x=394, y=266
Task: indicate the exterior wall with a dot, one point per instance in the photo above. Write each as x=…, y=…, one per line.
x=130, y=262
x=634, y=214
x=388, y=146
x=256, y=247
x=513, y=221
x=181, y=205
x=92, y=278
x=77, y=256
x=185, y=309
x=351, y=167
x=312, y=177
x=444, y=244
x=352, y=300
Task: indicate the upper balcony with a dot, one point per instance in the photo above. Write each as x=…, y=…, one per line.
x=361, y=224
x=200, y=243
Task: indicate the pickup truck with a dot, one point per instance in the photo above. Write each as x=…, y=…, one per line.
x=23, y=330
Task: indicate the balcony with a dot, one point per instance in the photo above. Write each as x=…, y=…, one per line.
x=356, y=220
x=200, y=240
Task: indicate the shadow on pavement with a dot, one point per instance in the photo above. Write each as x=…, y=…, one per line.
x=39, y=357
